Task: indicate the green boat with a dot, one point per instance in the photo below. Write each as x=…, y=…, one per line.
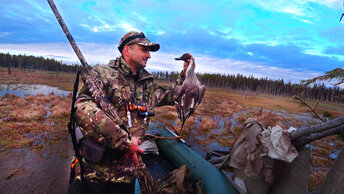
x=179, y=153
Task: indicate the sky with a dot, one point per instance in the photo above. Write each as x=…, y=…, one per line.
x=281, y=39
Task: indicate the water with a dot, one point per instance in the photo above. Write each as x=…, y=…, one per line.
x=334, y=154
x=22, y=90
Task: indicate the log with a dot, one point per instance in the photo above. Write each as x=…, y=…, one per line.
x=317, y=128
x=300, y=142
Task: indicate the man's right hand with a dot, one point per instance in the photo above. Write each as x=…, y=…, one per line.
x=133, y=149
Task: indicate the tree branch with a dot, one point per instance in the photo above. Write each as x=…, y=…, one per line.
x=329, y=75
x=313, y=110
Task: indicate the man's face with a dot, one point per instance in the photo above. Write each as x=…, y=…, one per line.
x=138, y=55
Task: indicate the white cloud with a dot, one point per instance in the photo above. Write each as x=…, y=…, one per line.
x=93, y=53
x=320, y=52
x=208, y=64
x=3, y=34
x=108, y=28
x=102, y=53
x=160, y=32
x=307, y=21
x=298, y=7
x=294, y=7
x=128, y=27
x=335, y=4
x=225, y=30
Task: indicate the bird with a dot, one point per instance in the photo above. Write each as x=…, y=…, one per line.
x=189, y=95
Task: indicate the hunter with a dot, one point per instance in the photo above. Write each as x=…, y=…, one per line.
x=110, y=155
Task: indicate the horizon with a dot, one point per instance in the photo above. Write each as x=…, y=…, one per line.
x=290, y=40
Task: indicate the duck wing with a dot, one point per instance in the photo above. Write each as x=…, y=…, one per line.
x=201, y=92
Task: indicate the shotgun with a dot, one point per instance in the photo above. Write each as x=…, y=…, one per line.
x=95, y=86
x=93, y=83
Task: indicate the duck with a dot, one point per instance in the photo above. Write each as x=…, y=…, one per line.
x=189, y=95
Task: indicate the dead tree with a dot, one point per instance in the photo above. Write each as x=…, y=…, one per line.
x=306, y=135
x=9, y=60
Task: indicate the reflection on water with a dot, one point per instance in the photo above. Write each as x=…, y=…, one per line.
x=30, y=89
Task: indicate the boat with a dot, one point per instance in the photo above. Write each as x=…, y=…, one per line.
x=178, y=153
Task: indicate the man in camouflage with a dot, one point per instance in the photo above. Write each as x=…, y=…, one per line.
x=127, y=84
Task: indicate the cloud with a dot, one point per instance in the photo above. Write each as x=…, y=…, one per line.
x=298, y=7
x=108, y=28
x=2, y=34
x=294, y=7
x=94, y=53
x=334, y=4
x=292, y=36
x=160, y=61
x=294, y=58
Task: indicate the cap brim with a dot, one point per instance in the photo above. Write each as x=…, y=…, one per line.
x=152, y=46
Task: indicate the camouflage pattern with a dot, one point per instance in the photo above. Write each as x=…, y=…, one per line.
x=121, y=88
x=180, y=79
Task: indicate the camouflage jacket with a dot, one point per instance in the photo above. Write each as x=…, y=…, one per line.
x=121, y=88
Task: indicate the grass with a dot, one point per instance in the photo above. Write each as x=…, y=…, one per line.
x=61, y=80
x=24, y=120
x=227, y=103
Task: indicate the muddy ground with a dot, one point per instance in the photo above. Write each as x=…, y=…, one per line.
x=43, y=170
x=35, y=147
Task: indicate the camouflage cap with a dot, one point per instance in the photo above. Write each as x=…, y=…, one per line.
x=137, y=38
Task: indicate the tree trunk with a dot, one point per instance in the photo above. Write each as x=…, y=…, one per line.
x=334, y=180
x=300, y=142
x=9, y=68
x=317, y=128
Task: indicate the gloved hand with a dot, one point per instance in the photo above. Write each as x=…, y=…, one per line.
x=133, y=149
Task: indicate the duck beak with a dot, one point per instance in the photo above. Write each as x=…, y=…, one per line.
x=178, y=59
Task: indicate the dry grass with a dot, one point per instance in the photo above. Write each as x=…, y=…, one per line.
x=62, y=80
x=24, y=121
x=166, y=112
x=207, y=124
x=263, y=107
x=321, y=160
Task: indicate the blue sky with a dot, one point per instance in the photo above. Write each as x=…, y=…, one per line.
x=289, y=39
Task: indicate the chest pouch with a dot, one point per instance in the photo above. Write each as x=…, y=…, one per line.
x=92, y=151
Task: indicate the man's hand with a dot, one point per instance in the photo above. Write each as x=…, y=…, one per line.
x=133, y=149
x=186, y=64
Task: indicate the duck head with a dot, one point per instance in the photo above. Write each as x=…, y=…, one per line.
x=185, y=57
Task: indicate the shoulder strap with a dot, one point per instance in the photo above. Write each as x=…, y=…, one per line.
x=71, y=129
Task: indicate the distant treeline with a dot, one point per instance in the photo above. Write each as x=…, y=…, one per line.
x=35, y=63
x=236, y=82
x=262, y=85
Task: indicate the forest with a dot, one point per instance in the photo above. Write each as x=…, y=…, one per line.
x=263, y=85
x=35, y=63
x=235, y=82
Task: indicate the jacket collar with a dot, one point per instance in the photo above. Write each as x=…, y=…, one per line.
x=121, y=65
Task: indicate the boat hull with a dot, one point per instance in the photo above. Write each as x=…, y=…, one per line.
x=179, y=154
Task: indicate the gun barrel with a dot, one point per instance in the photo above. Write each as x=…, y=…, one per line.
x=68, y=34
